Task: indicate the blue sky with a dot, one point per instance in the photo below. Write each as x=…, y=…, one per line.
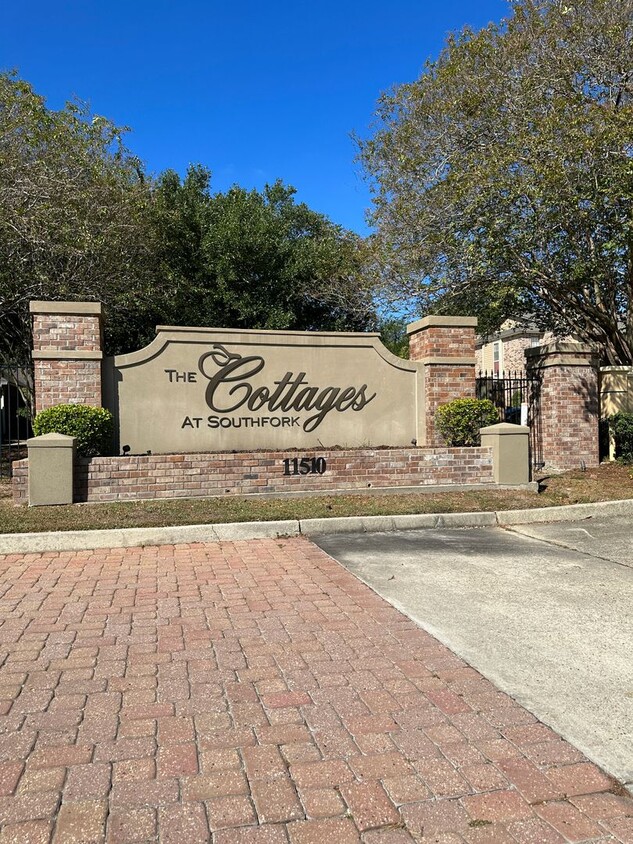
x=254, y=90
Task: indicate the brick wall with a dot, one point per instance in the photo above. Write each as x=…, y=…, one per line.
x=515, y=347
x=67, y=382
x=20, y=481
x=446, y=347
x=199, y=475
x=514, y=353
x=431, y=341
x=66, y=353
x=568, y=410
x=65, y=331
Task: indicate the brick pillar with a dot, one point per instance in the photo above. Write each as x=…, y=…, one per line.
x=445, y=345
x=67, y=341
x=567, y=412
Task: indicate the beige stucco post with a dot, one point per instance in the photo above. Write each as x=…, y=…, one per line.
x=568, y=406
x=616, y=395
x=616, y=390
x=67, y=353
x=510, y=452
x=445, y=345
x=51, y=463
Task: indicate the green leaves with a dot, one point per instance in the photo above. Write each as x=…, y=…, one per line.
x=621, y=427
x=93, y=427
x=459, y=421
x=73, y=206
x=503, y=176
x=80, y=220
x=253, y=259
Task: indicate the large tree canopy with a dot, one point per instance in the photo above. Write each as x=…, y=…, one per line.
x=73, y=210
x=80, y=220
x=246, y=259
x=503, y=176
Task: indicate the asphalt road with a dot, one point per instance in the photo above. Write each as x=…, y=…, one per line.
x=544, y=611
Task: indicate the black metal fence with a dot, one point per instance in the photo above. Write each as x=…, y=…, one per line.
x=15, y=415
x=517, y=397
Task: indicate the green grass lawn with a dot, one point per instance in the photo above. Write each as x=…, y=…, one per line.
x=609, y=481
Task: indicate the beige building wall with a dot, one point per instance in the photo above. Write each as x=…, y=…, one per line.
x=484, y=358
x=616, y=390
x=616, y=395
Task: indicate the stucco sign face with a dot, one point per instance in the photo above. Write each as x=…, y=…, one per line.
x=220, y=390
x=230, y=389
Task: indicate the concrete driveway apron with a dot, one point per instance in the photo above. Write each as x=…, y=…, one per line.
x=550, y=625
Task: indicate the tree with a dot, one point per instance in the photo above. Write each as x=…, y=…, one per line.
x=277, y=264
x=503, y=176
x=73, y=211
x=79, y=220
x=393, y=335
x=178, y=212
x=247, y=259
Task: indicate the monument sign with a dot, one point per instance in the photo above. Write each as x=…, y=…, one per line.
x=208, y=389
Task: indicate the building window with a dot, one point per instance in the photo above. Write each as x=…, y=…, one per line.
x=496, y=357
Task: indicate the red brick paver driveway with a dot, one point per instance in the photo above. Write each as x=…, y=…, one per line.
x=256, y=692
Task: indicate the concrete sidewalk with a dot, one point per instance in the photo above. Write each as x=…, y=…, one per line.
x=257, y=693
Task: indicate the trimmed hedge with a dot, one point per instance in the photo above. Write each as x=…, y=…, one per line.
x=459, y=420
x=92, y=426
x=621, y=425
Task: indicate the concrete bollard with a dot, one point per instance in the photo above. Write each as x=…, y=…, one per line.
x=510, y=452
x=51, y=462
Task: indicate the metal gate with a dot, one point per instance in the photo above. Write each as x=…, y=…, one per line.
x=517, y=397
x=15, y=413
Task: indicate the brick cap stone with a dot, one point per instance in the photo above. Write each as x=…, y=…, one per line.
x=441, y=322
x=562, y=352
x=51, y=441
x=68, y=308
x=67, y=354
x=448, y=361
x=560, y=347
x=503, y=429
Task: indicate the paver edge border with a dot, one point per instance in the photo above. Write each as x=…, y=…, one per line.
x=86, y=540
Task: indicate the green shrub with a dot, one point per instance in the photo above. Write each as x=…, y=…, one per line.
x=92, y=426
x=621, y=426
x=459, y=421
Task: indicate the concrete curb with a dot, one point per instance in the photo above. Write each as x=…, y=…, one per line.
x=370, y=524
x=565, y=513
x=85, y=540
